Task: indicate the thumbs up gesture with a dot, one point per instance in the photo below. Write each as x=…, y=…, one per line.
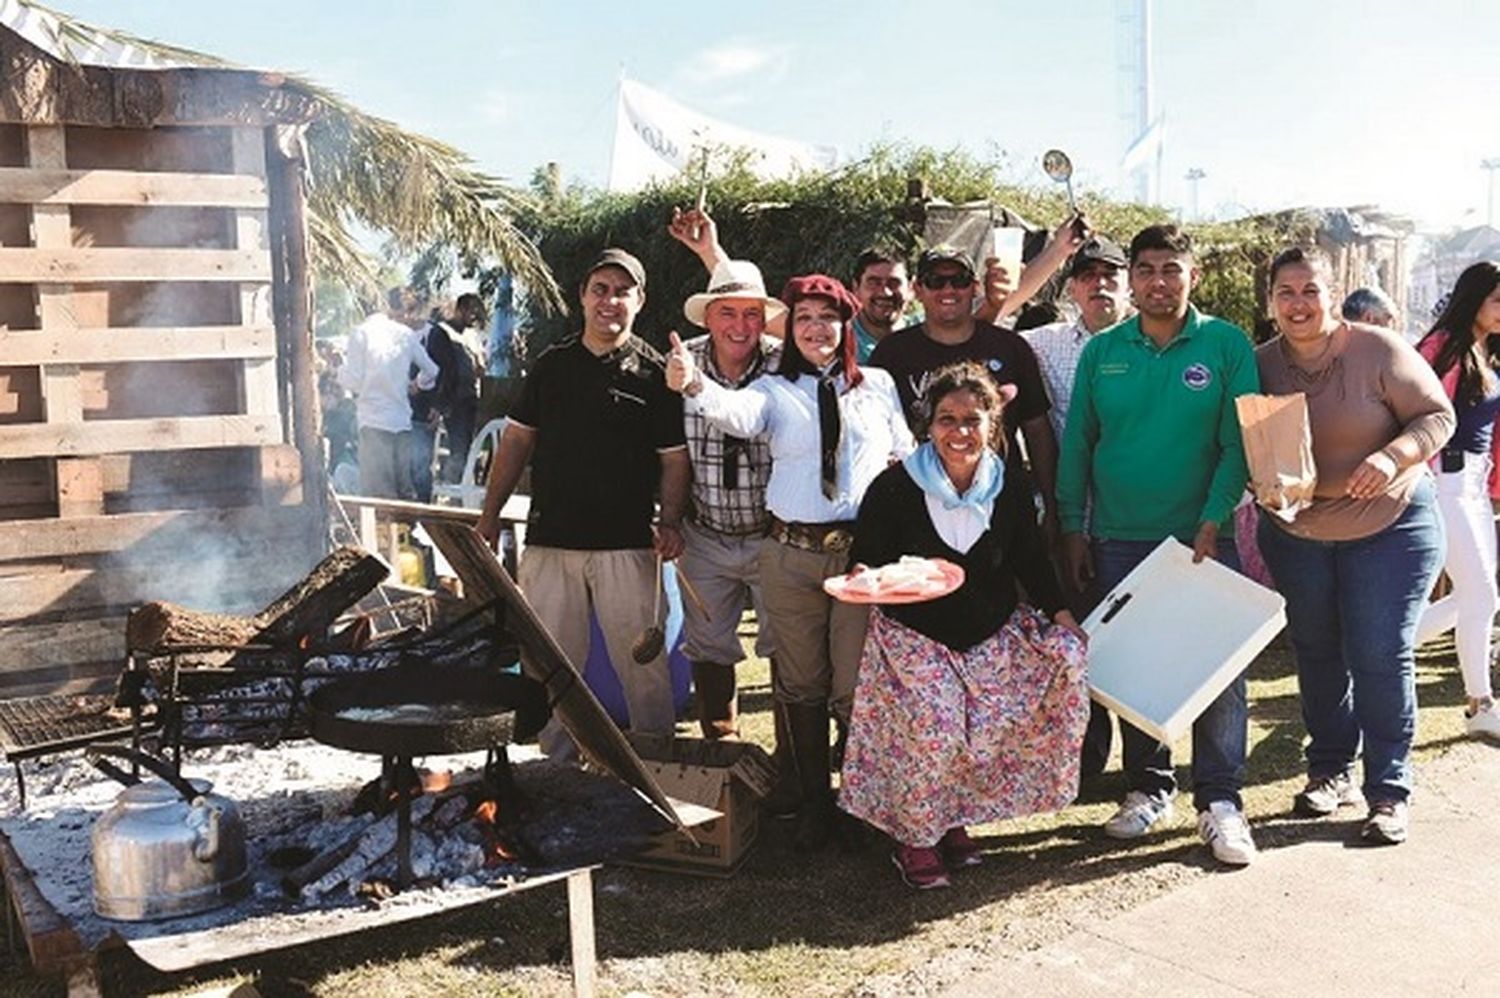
x=682, y=373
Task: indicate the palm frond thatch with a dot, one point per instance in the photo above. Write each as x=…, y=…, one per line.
x=363, y=169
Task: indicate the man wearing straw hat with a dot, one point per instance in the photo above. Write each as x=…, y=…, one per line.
x=602, y=434
x=728, y=516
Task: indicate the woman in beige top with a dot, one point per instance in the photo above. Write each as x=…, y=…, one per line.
x=1355, y=566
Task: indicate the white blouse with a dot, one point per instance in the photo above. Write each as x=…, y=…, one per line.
x=786, y=413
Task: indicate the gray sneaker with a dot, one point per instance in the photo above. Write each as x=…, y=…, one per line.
x=1324, y=795
x=1137, y=815
x=1387, y=823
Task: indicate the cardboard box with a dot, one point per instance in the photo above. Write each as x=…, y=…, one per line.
x=728, y=777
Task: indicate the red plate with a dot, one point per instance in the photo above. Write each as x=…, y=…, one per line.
x=952, y=578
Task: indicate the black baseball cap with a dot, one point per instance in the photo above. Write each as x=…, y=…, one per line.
x=943, y=253
x=1097, y=250
x=616, y=257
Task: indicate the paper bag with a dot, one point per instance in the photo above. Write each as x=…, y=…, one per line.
x=1278, y=449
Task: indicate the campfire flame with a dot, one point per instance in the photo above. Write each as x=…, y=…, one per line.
x=496, y=851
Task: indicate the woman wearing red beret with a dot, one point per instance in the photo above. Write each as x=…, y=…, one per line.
x=832, y=428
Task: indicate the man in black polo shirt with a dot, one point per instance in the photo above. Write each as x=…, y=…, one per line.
x=949, y=333
x=603, y=435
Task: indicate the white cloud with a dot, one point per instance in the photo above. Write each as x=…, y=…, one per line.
x=737, y=58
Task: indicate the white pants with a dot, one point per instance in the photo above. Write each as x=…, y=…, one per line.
x=1463, y=500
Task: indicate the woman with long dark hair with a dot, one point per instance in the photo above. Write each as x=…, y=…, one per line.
x=832, y=428
x=1463, y=347
x=1356, y=565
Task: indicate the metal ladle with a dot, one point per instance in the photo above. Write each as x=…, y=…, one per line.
x=1057, y=165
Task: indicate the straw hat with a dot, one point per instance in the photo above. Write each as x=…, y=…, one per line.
x=732, y=279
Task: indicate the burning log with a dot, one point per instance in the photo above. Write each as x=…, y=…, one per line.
x=308, y=609
x=373, y=845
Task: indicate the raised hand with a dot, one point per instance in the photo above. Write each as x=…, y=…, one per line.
x=695, y=229
x=682, y=372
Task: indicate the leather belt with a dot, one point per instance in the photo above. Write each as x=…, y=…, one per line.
x=822, y=538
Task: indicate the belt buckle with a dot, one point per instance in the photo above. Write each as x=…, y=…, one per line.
x=838, y=540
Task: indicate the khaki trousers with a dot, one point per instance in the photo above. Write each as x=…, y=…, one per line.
x=562, y=585
x=819, y=640
x=723, y=569
x=385, y=464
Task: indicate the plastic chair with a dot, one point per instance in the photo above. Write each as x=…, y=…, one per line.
x=468, y=491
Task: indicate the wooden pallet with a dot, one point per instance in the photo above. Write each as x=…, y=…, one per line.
x=144, y=403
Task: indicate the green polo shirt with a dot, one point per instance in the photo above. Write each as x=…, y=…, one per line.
x=1152, y=436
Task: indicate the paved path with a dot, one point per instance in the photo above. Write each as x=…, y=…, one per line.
x=1316, y=917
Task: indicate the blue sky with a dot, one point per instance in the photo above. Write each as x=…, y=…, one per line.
x=1280, y=102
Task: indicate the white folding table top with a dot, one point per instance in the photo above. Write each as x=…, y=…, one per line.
x=1172, y=636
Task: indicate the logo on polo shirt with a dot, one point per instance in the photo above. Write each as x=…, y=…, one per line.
x=995, y=364
x=1197, y=377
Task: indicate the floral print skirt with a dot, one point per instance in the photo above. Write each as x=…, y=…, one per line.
x=940, y=738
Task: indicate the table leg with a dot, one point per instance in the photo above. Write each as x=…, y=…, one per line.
x=581, y=932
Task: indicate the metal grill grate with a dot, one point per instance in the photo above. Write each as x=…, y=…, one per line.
x=33, y=726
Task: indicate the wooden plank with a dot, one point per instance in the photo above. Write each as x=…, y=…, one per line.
x=80, y=487
x=581, y=934
x=65, y=266
x=281, y=475
x=38, y=646
x=113, y=345
x=50, y=940
x=114, y=436
x=251, y=580
x=43, y=186
x=158, y=535
x=63, y=393
x=261, y=389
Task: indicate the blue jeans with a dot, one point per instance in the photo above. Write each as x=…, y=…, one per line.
x=1352, y=610
x=1219, y=735
x=423, y=441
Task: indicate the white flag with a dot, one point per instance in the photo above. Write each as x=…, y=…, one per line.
x=656, y=137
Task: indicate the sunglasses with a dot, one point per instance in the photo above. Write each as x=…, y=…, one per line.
x=936, y=282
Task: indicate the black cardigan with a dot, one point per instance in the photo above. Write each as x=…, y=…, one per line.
x=893, y=521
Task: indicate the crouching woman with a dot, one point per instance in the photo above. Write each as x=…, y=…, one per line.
x=970, y=707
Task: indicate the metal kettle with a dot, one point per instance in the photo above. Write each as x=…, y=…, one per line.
x=167, y=847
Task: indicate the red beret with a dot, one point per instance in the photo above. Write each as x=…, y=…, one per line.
x=820, y=286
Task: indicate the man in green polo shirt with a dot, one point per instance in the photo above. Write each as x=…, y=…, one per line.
x=1152, y=438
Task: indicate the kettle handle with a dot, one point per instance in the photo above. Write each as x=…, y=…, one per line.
x=157, y=767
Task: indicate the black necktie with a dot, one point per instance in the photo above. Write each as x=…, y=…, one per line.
x=829, y=430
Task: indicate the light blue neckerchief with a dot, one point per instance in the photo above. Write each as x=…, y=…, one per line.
x=926, y=469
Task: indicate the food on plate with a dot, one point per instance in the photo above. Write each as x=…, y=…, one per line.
x=910, y=575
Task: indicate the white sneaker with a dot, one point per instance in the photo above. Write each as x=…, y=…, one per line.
x=1484, y=722
x=1137, y=815
x=1224, y=828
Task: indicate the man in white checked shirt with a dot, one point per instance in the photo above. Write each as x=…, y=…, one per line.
x=1097, y=286
x=728, y=516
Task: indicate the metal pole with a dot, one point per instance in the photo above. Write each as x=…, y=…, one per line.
x=1194, y=175
x=1490, y=166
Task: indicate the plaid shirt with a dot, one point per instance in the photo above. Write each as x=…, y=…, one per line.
x=1057, y=347
x=739, y=511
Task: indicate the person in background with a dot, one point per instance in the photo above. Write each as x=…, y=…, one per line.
x=971, y=707
x=1357, y=564
x=1096, y=287
x=1463, y=348
x=1153, y=450
x=461, y=397
x=383, y=353
x=1370, y=306
x=832, y=427
x=604, y=438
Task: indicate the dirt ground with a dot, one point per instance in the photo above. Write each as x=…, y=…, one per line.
x=829, y=924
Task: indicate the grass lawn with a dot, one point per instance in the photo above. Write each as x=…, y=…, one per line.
x=829, y=924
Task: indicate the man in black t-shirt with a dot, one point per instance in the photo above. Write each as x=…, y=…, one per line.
x=603, y=435
x=948, y=334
